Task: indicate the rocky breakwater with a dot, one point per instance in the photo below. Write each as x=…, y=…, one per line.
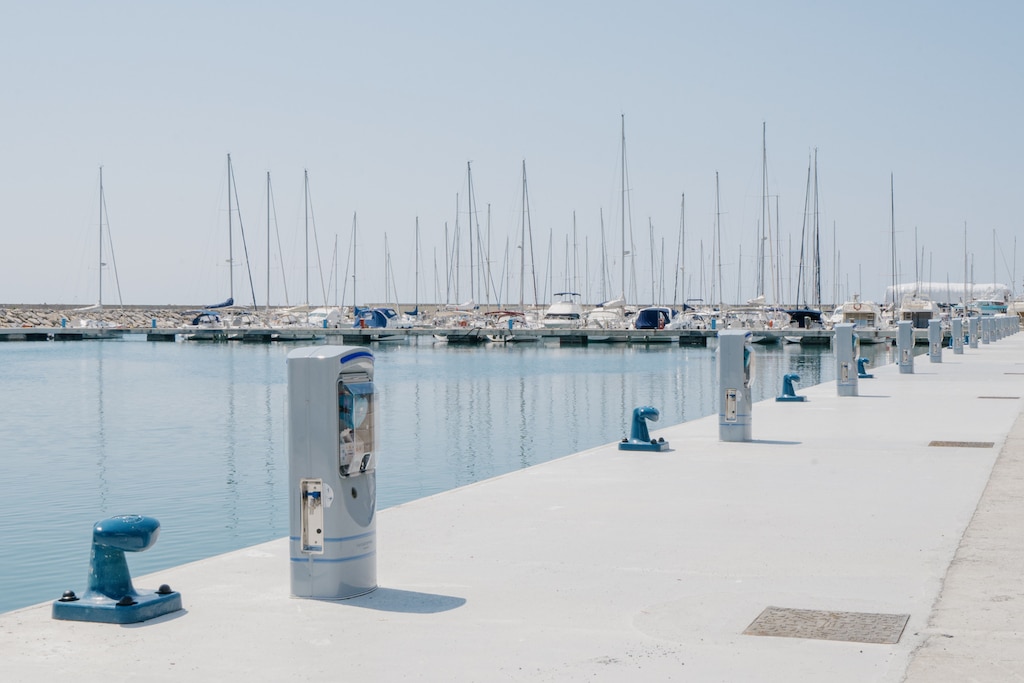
x=66, y=316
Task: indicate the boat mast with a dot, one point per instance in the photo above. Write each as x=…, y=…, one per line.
x=522, y=246
x=892, y=240
x=964, y=312
x=416, y=284
x=354, y=261
x=469, y=209
x=231, y=252
x=817, y=239
x=527, y=232
x=764, y=194
x=268, y=242
x=305, y=196
x=100, y=299
x=605, y=275
x=718, y=247
x=387, y=272
x=680, y=275
x=624, y=252
x=650, y=232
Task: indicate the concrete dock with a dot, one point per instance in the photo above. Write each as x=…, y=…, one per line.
x=886, y=531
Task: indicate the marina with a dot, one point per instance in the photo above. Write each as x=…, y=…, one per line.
x=456, y=335
x=819, y=549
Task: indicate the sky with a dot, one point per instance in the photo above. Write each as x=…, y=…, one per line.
x=913, y=110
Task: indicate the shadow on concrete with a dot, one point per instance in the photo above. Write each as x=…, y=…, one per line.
x=412, y=602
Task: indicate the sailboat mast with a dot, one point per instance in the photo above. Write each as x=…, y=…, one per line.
x=680, y=275
x=522, y=247
x=231, y=251
x=100, y=293
x=718, y=242
x=817, y=238
x=387, y=266
x=575, y=257
x=416, y=285
x=654, y=286
x=469, y=209
x=305, y=196
x=604, y=261
x=268, y=241
x=354, y=262
x=764, y=195
x=965, y=269
x=892, y=239
x=624, y=252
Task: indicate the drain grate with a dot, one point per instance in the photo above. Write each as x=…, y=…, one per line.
x=855, y=627
x=999, y=397
x=963, y=444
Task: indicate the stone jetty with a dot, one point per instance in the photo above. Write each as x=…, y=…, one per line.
x=44, y=315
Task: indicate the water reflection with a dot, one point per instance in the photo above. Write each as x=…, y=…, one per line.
x=103, y=486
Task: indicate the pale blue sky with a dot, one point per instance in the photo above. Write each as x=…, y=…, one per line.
x=384, y=103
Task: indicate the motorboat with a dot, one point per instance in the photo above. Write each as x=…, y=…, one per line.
x=607, y=315
x=325, y=317
x=865, y=316
x=918, y=309
x=382, y=318
x=653, y=318
x=566, y=312
x=512, y=327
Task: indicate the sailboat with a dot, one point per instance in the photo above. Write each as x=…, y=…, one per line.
x=212, y=322
x=810, y=315
x=769, y=317
x=612, y=313
x=520, y=319
x=98, y=306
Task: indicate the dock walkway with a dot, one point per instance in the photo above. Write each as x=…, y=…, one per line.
x=607, y=565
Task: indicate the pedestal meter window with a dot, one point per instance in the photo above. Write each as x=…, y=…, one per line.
x=355, y=425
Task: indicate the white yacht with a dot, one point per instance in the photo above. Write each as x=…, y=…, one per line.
x=567, y=312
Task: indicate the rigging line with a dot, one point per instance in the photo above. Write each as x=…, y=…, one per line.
x=529, y=228
x=245, y=248
x=316, y=244
x=280, y=252
x=110, y=243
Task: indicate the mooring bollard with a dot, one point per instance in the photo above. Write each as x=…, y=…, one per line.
x=788, y=392
x=110, y=597
x=639, y=438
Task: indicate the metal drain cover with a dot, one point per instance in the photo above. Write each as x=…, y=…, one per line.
x=856, y=627
x=963, y=444
x=999, y=397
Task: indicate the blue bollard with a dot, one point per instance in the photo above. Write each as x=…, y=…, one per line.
x=862, y=373
x=639, y=438
x=788, y=393
x=110, y=597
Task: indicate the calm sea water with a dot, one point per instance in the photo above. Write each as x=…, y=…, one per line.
x=194, y=434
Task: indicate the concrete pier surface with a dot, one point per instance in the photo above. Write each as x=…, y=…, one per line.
x=886, y=529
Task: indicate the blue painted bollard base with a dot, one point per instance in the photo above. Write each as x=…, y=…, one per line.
x=99, y=608
x=790, y=399
x=652, y=445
